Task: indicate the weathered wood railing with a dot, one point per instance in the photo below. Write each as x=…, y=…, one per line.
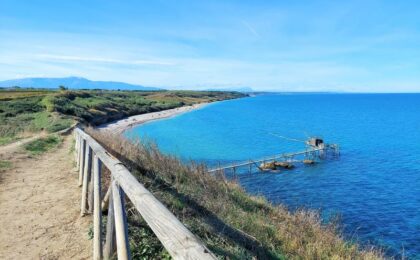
x=174, y=236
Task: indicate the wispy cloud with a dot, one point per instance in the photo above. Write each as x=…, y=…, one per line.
x=250, y=28
x=102, y=60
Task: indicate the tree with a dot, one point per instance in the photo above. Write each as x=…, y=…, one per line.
x=62, y=88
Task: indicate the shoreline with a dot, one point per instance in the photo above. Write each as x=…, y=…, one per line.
x=121, y=125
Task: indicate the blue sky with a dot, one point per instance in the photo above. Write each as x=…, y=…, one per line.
x=358, y=46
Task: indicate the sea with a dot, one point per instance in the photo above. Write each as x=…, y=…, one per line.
x=373, y=188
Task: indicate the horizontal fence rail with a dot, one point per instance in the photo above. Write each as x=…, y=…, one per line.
x=174, y=236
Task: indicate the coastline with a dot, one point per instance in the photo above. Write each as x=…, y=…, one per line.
x=121, y=125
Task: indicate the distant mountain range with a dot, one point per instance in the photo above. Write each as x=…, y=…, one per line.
x=71, y=83
x=238, y=89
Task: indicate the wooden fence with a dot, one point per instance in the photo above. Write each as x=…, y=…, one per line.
x=174, y=236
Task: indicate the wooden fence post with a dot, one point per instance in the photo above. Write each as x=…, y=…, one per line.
x=82, y=160
x=90, y=197
x=86, y=175
x=105, y=200
x=123, y=248
x=79, y=148
x=109, y=247
x=97, y=211
x=76, y=149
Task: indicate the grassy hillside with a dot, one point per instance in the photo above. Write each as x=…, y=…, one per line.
x=27, y=111
x=233, y=224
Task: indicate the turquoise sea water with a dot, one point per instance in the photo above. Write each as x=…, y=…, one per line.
x=375, y=185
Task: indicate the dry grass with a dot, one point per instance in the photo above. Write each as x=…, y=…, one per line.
x=233, y=224
x=15, y=94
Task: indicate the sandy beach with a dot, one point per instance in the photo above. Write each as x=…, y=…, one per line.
x=121, y=125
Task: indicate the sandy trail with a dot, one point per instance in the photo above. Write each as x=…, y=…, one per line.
x=40, y=210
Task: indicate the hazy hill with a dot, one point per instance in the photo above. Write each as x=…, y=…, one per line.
x=72, y=83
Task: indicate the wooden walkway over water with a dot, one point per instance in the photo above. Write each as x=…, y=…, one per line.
x=285, y=157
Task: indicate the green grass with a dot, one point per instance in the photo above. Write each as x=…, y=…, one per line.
x=4, y=165
x=23, y=115
x=50, y=122
x=43, y=145
x=12, y=127
x=7, y=140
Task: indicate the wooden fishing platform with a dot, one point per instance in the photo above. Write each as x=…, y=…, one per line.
x=316, y=150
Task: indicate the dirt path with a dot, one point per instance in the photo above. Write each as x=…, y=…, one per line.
x=39, y=208
x=13, y=147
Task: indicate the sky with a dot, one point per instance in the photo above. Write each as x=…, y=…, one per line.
x=349, y=46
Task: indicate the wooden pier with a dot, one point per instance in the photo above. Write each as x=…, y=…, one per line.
x=311, y=154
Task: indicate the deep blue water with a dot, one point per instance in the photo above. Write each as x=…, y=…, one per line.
x=375, y=185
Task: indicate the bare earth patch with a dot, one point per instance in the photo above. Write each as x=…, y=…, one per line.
x=40, y=202
x=10, y=149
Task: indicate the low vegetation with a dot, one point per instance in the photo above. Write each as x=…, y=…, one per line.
x=233, y=224
x=4, y=165
x=7, y=139
x=97, y=107
x=22, y=116
x=43, y=144
x=13, y=93
x=24, y=112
